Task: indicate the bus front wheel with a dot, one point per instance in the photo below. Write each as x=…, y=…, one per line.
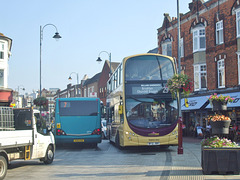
x=3, y=167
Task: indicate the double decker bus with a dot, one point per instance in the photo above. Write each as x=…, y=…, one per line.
x=78, y=120
x=140, y=109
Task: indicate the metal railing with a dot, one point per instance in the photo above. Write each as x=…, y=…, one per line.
x=6, y=119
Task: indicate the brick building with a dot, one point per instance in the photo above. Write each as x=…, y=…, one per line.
x=102, y=83
x=210, y=54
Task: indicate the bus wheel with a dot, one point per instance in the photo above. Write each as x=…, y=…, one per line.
x=3, y=167
x=117, y=141
x=49, y=155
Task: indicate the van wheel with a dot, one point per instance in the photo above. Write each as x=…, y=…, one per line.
x=3, y=167
x=49, y=155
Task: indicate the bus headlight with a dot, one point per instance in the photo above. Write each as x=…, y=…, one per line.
x=129, y=133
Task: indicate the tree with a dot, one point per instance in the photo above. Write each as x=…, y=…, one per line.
x=42, y=102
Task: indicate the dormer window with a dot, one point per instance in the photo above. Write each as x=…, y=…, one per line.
x=167, y=47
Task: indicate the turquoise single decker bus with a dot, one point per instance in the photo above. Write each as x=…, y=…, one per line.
x=78, y=120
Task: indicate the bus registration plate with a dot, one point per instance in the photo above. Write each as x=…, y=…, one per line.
x=78, y=140
x=153, y=143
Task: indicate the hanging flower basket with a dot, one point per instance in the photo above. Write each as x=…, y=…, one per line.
x=219, y=102
x=180, y=83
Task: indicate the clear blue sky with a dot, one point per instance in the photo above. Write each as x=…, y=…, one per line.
x=87, y=27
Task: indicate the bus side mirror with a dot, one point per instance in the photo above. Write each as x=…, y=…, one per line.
x=120, y=109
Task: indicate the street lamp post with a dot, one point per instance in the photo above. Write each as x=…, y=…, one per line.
x=56, y=36
x=180, y=147
x=70, y=77
x=100, y=60
x=19, y=87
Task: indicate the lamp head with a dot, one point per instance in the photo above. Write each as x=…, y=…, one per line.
x=99, y=60
x=70, y=78
x=57, y=36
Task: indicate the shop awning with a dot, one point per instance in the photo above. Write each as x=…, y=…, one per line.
x=235, y=103
x=194, y=103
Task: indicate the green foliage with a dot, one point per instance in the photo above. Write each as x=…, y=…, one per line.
x=41, y=101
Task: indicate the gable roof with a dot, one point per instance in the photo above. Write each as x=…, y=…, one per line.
x=95, y=78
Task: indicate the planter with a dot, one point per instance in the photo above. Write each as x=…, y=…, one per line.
x=219, y=106
x=220, y=127
x=220, y=160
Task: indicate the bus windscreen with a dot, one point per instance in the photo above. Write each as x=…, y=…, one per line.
x=148, y=68
x=78, y=108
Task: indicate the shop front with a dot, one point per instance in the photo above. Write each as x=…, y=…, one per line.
x=194, y=115
x=233, y=109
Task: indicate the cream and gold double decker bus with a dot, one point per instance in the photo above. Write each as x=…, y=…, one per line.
x=140, y=109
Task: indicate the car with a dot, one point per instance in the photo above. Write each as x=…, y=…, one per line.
x=104, y=128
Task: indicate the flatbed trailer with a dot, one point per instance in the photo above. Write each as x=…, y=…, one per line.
x=21, y=137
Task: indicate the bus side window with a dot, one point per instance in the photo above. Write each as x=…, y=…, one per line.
x=112, y=113
x=108, y=116
x=103, y=111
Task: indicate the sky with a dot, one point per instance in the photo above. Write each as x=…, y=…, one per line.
x=87, y=27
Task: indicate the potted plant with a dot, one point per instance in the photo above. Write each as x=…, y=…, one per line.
x=220, y=156
x=219, y=123
x=219, y=102
x=180, y=83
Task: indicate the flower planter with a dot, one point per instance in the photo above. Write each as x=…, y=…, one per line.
x=218, y=106
x=220, y=160
x=220, y=127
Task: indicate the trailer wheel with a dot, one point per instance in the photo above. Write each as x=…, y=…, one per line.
x=49, y=155
x=3, y=167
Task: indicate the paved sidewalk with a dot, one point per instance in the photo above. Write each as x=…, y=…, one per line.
x=188, y=164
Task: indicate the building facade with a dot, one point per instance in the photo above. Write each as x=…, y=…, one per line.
x=210, y=54
x=102, y=83
x=5, y=52
x=6, y=94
